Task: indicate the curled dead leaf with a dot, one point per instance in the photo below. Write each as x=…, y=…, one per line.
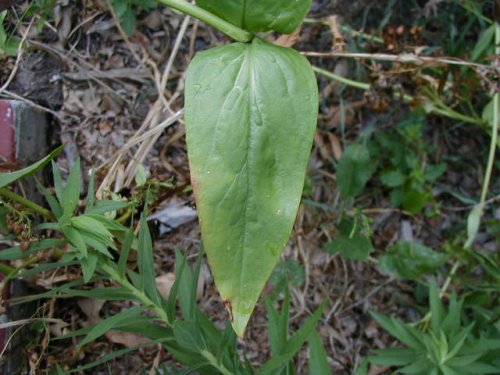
x=127, y=339
x=91, y=308
x=164, y=283
x=59, y=328
x=336, y=146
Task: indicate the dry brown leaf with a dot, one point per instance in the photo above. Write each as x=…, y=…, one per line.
x=288, y=40
x=126, y=338
x=345, y=115
x=48, y=283
x=377, y=370
x=105, y=127
x=58, y=328
x=322, y=148
x=164, y=283
x=336, y=146
x=91, y=308
x=202, y=280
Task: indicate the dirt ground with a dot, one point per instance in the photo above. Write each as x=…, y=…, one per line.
x=101, y=89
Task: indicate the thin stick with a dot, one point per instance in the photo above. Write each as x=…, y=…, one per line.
x=126, y=38
x=495, y=127
x=407, y=58
x=18, y=59
x=439, y=108
x=32, y=206
x=23, y=322
x=144, y=149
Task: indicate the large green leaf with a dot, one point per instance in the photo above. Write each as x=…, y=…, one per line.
x=251, y=113
x=260, y=15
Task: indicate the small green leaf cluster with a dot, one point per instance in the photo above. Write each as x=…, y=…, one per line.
x=91, y=233
x=411, y=261
x=126, y=11
x=397, y=158
x=8, y=44
x=354, y=170
x=353, y=240
x=403, y=170
x=440, y=344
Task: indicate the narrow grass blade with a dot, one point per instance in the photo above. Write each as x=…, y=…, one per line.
x=8, y=178
x=145, y=262
x=318, y=360
x=110, y=323
x=275, y=364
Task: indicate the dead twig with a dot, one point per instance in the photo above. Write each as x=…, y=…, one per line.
x=406, y=58
x=18, y=59
x=31, y=103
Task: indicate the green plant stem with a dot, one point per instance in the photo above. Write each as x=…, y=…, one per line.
x=122, y=219
x=5, y=269
x=441, y=109
x=446, y=111
x=495, y=127
x=141, y=296
x=213, y=361
x=32, y=206
x=227, y=28
x=162, y=314
x=345, y=81
x=447, y=282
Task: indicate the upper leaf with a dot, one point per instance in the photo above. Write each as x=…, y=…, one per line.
x=251, y=114
x=260, y=15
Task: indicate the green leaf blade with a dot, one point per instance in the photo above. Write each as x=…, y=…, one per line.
x=251, y=112
x=318, y=361
x=146, y=263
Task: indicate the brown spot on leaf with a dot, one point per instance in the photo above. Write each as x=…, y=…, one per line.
x=195, y=183
x=229, y=308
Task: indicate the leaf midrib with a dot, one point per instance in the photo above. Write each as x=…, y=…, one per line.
x=251, y=98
